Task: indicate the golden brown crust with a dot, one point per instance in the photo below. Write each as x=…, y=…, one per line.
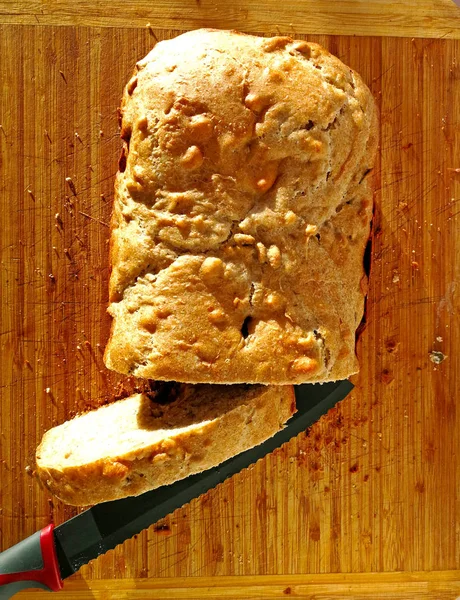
x=242, y=210
x=135, y=445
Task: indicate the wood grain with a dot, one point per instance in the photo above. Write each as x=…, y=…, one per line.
x=405, y=18
x=397, y=586
x=373, y=486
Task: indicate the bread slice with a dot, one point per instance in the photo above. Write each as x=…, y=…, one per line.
x=242, y=211
x=136, y=444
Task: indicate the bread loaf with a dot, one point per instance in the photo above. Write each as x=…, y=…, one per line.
x=242, y=211
x=136, y=444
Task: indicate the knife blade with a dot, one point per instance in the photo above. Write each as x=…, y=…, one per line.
x=47, y=557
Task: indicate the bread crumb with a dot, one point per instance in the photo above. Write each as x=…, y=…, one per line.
x=212, y=267
x=437, y=357
x=244, y=239
x=275, y=301
x=262, y=252
x=201, y=127
x=290, y=217
x=217, y=316
x=274, y=256
x=192, y=158
x=254, y=102
x=304, y=364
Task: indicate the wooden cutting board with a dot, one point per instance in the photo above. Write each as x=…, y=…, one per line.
x=365, y=504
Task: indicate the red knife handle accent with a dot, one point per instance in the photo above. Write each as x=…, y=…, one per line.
x=31, y=563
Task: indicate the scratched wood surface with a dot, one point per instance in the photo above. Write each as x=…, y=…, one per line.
x=373, y=487
x=404, y=18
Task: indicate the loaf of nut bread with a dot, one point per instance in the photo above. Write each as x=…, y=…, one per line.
x=138, y=444
x=242, y=212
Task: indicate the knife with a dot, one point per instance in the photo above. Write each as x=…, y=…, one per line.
x=48, y=556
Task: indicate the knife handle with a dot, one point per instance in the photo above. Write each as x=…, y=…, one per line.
x=32, y=563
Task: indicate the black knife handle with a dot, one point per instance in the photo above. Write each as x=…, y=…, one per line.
x=32, y=563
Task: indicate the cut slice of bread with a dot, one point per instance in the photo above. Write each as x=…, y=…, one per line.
x=137, y=444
